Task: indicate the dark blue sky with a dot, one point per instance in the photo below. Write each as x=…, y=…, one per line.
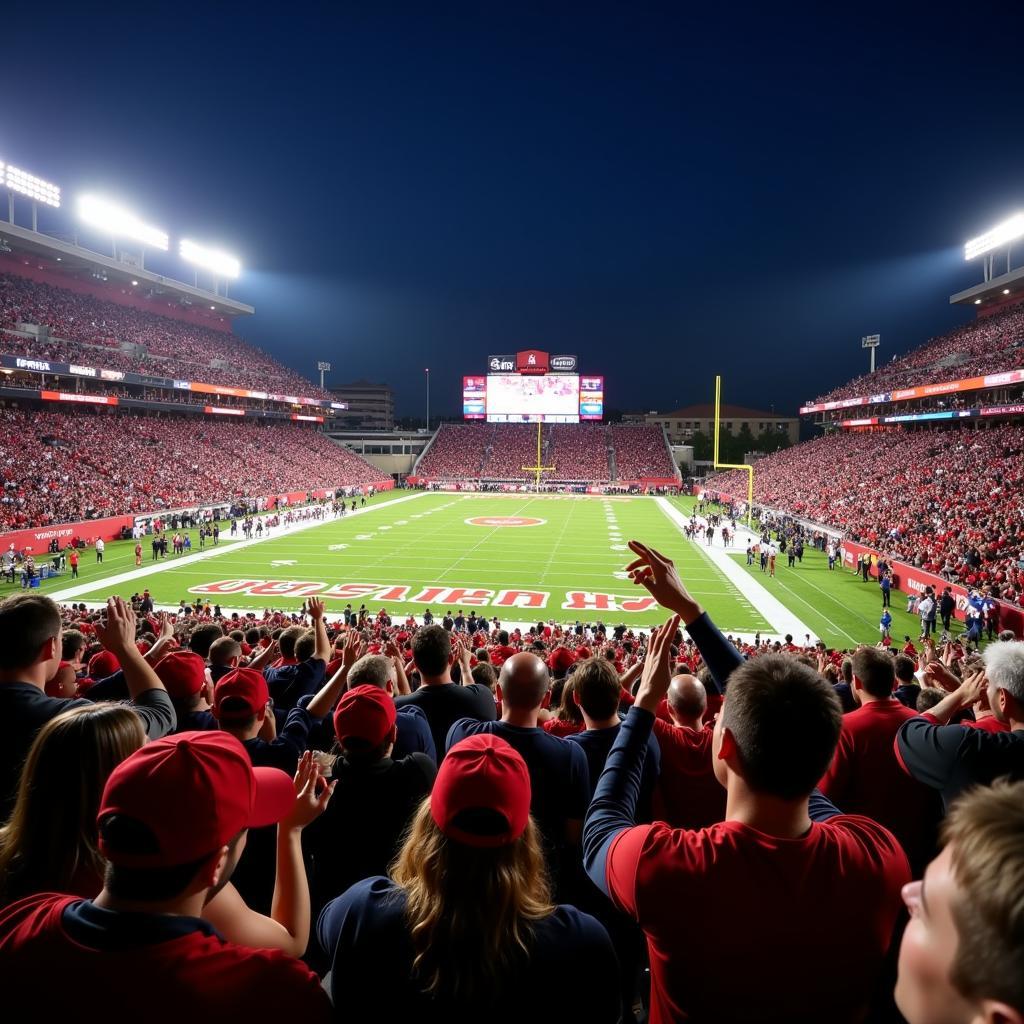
x=744, y=189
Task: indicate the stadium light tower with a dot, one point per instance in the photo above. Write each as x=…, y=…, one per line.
x=36, y=190
x=223, y=265
x=872, y=341
x=999, y=237
x=323, y=368
x=120, y=223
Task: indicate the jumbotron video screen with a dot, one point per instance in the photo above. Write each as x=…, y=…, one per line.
x=517, y=398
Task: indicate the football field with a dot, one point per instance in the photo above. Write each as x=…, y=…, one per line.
x=521, y=558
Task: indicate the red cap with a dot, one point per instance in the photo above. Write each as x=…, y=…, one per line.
x=366, y=713
x=560, y=660
x=583, y=653
x=103, y=664
x=194, y=791
x=482, y=772
x=244, y=683
x=182, y=672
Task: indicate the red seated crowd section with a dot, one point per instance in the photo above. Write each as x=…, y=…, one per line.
x=62, y=467
x=987, y=345
x=577, y=452
x=87, y=329
x=946, y=501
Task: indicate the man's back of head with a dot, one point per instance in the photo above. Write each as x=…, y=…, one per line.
x=597, y=689
x=524, y=682
x=873, y=672
x=27, y=623
x=224, y=650
x=202, y=638
x=431, y=651
x=785, y=722
x=687, y=698
x=371, y=670
x=288, y=639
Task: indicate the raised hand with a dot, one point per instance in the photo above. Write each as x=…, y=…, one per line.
x=117, y=631
x=657, y=574
x=316, y=608
x=657, y=670
x=312, y=794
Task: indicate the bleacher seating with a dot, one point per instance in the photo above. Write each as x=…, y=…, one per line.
x=641, y=452
x=948, y=501
x=985, y=346
x=66, y=466
x=90, y=330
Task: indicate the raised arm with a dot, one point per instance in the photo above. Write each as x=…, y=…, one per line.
x=658, y=575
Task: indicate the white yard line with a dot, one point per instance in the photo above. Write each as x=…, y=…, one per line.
x=779, y=617
x=70, y=593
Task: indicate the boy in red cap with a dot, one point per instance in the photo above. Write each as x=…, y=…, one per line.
x=431, y=944
x=172, y=824
x=183, y=673
x=375, y=795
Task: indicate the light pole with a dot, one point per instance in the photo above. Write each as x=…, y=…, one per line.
x=427, y=372
x=872, y=341
x=323, y=368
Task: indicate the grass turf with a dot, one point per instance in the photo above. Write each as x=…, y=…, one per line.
x=579, y=547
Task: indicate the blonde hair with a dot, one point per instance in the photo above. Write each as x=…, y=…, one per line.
x=985, y=829
x=50, y=837
x=470, y=911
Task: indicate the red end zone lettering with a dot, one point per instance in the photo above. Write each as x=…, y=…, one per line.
x=495, y=521
x=225, y=587
x=522, y=599
x=452, y=595
x=583, y=601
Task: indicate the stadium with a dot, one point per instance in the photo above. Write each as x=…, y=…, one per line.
x=545, y=708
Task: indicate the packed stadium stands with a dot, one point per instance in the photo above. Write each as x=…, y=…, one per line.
x=87, y=329
x=67, y=466
x=987, y=345
x=946, y=500
x=578, y=452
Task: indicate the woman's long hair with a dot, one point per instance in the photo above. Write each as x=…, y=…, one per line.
x=568, y=710
x=50, y=839
x=470, y=910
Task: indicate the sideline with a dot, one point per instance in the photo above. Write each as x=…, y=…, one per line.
x=69, y=593
x=779, y=617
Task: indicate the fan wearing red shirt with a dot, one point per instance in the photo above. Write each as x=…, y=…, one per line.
x=782, y=912
x=172, y=825
x=688, y=793
x=866, y=778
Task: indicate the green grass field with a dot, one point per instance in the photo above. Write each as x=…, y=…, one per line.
x=407, y=555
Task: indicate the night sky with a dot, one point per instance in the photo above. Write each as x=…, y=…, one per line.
x=745, y=189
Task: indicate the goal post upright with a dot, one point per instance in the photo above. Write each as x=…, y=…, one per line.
x=537, y=467
x=749, y=470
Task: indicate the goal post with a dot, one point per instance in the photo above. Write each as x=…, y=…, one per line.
x=749, y=470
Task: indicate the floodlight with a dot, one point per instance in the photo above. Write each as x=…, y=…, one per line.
x=1001, y=235
x=221, y=263
x=36, y=189
x=119, y=222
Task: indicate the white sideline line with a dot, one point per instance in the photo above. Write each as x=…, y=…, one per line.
x=779, y=617
x=69, y=593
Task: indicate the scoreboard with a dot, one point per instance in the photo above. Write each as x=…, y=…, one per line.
x=533, y=394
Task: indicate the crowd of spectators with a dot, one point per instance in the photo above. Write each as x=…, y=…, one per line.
x=90, y=330
x=641, y=452
x=361, y=819
x=578, y=452
x=987, y=345
x=67, y=466
x=945, y=500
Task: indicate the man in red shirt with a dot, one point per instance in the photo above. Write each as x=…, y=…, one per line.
x=688, y=795
x=172, y=823
x=866, y=778
x=782, y=912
